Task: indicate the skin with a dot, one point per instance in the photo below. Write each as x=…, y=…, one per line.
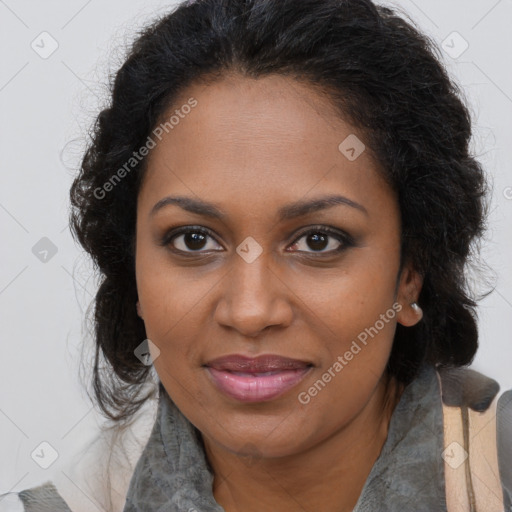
x=252, y=147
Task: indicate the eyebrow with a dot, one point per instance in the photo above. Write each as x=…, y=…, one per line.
x=290, y=211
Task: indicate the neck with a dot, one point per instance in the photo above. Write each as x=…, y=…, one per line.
x=313, y=479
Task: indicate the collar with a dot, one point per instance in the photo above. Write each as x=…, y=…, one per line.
x=409, y=472
x=173, y=474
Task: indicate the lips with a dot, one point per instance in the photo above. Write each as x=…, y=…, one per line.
x=260, y=364
x=256, y=379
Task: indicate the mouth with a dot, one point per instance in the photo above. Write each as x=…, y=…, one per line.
x=257, y=379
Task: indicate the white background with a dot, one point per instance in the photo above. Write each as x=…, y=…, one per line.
x=46, y=107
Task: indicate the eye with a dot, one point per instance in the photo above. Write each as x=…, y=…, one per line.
x=196, y=239
x=190, y=240
x=322, y=239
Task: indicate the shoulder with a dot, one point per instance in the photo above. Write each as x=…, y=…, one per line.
x=11, y=502
x=98, y=476
x=464, y=387
x=44, y=498
x=478, y=439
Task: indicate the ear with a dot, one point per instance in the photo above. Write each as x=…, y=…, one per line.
x=409, y=289
x=139, y=309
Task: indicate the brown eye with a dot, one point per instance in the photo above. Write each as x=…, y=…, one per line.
x=191, y=240
x=194, y=241
x=322, y=241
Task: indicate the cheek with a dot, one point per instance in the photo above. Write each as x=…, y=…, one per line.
x=173, y=315
x=170, y=296
x=358, y=349
x=357, y=317
x=177, y=307
x=353, y=298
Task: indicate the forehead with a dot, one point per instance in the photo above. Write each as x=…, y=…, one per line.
x=271, y=139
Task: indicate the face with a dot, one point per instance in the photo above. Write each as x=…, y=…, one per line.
x=270, y=287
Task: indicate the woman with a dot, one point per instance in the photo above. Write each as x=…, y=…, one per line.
x=281, y=202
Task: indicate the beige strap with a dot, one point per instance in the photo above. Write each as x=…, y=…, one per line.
x=483, y=458
x=454, y=455
x=471, y=460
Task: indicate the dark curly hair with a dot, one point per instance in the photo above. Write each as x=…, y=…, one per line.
x=383, y=76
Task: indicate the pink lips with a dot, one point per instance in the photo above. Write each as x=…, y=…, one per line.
x=256, y=379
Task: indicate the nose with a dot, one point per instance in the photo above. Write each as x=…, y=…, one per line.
x=253, y=298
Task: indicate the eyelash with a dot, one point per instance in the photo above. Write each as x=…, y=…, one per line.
x=345, y=239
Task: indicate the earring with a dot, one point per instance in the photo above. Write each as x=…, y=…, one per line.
x=417, y=309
